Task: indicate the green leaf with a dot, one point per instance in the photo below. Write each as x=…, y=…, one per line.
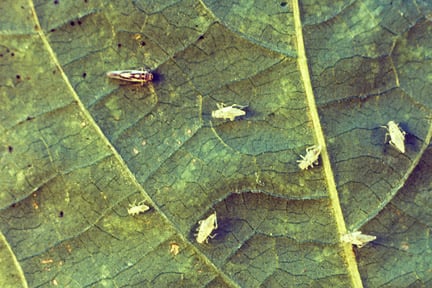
x=79, y=148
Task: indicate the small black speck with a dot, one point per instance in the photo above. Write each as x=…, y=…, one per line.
x=283, y=4
x=142, y=43
x=84, y=75
x=18, y=77
x=85, y=1
x=201, y=37
x=72, y=23
x=56, y=2
x=13, y=205
x=29, y=118
x=12, y=54
x=119, y=45
x=53, y=30
x=61, y=214
x=1, y=55
x=79, y=22
x=10, y=149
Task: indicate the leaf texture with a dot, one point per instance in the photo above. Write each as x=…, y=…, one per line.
x=78, y=148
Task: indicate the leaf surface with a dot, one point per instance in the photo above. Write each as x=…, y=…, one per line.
x=79, y=148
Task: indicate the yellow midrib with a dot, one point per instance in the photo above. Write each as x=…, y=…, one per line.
x=334, y=197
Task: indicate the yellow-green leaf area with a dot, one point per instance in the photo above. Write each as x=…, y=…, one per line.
x=79, y=149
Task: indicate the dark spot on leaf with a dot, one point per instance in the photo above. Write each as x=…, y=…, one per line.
x=119, y=45
x=85, y=1
x=29, y=118
x=142, y=43
x=156, y=77
x=12, y=54
x=10, y=149
x=84, y=75
x=56, y=2
x=1, y=55
x=72, y=23
x=201, y=37
x=410, y=139
x=283, y=4
x=18, y=77
x=61, y=214
x=13, y=205
x=53, y=30
x=79, y=22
